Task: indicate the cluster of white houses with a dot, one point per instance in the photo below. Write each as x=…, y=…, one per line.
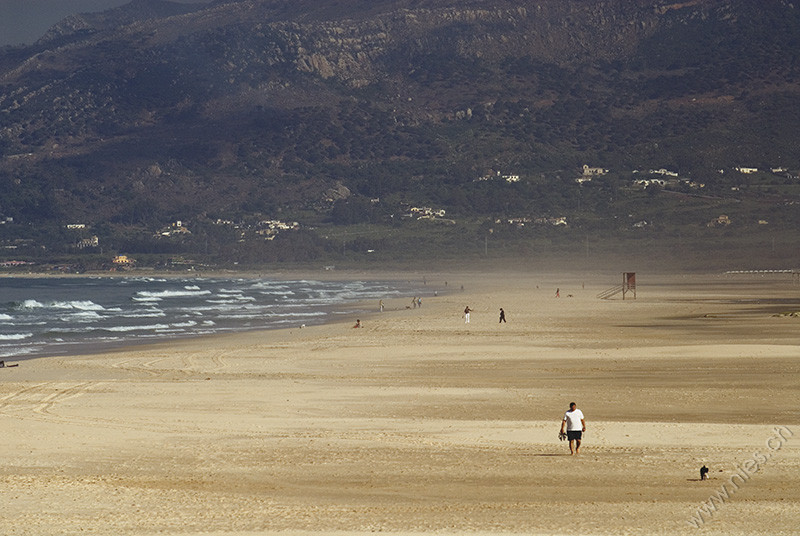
x=498, y=176
x=665, y=177
x=91, y=242
x=269, y=229
x=425, y=213
x=174, y=229
x=520, y=222
x=644, y=183
x=83, y=243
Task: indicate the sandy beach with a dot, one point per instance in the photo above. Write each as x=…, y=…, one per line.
x=419, y=423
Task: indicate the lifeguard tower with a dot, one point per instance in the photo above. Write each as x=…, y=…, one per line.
x=627, y=287
x=628, y=284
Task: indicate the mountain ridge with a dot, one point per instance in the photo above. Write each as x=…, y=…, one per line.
x=259, y=106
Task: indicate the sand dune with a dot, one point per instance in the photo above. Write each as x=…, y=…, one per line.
x=419, y=423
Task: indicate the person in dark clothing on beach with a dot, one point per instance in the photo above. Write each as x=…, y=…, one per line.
x=502, y=315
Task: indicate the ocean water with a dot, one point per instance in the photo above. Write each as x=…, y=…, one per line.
x=56, y=316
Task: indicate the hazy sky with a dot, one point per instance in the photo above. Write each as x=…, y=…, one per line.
x=24, y=21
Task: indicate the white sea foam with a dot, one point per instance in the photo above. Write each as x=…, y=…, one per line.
x=123, y=329
x=15, y=336
x=228, y=306
x=109, y=310
x=279, y=292
x=171, y=293
x=83, y=316
x=296, y=315
x=184, y=324
x=272, y=315
x=232, y=298
x=18, y=351
x=83, y=305
x=304, y=305
x=70, y=330
x=270, y=288
x=144, y=314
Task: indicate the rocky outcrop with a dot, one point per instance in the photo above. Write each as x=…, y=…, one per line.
x=250, y=93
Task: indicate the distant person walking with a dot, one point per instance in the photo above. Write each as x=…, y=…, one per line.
x=467, y=311
x=380, y=305
x=502, y=316
x=558, y=293
x=575, y=424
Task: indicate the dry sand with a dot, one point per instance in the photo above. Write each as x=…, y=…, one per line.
x=419, y=423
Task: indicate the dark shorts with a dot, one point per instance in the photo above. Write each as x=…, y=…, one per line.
x=574, y=434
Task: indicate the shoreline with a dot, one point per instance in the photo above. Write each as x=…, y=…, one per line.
x=334, y=314
x=473, y=280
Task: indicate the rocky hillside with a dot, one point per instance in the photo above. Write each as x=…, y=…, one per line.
x=156, y=111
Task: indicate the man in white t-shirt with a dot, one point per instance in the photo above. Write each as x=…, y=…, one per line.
x=575, y=425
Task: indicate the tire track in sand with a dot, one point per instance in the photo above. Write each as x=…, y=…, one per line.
x=39, y=399
x=40, y=402
x=61, y=395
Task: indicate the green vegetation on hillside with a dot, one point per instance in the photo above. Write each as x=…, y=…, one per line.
x=345, y=122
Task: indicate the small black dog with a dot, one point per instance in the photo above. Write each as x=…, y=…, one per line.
x=704, y=473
